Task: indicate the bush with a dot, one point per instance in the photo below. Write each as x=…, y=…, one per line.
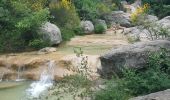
x=112, y=93
x=19, y=24
x=99, y=29
x=38, y=44
x=79, y=31
x=64, y=14
x=154, y=77
x=67, y=34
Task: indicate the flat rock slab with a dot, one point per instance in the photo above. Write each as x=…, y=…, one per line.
x=162, y=95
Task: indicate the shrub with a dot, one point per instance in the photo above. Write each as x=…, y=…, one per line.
x=18, y=22
x=79, y=31
x=67, y=34
x=99, y=29
x=154, y=77
x=112, y=93
x=38, y=44
x=64, y=14
x=135, y=16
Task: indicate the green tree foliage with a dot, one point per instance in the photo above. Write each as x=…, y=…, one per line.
x=19, y=24
x=160, y=8
x=90, y=9
x=64, y=14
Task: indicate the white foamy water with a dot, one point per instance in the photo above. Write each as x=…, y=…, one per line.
x=1, y=76
x=46, y=81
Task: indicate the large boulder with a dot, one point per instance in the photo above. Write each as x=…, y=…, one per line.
x=118, y=17
x=131, y=56
x=87, y=26
x=51, y=33
x=162, y=95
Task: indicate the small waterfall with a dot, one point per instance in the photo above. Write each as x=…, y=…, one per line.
x=1, y=77
x=20, y=72
x=46, y=81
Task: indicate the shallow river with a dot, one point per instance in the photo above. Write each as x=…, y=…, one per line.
x=13, y=90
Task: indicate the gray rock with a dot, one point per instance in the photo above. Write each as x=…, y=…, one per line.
x=136, y=33
x=118, y=17
x=152, y=18
x=165, y=22
x=102, y=22
x=47, y=50
x=51, y=33
x=162, y=95
x=87, y=26
x=131, y=56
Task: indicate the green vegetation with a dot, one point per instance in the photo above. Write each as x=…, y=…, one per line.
x=154, y=77
x=19, y=24
x=67, y=34
x=160, y=8
x=38, y=43
x=20, y=19
x=71, y=87
x=99, y=29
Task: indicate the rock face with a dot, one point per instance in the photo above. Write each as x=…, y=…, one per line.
x=87, y=26
x=162, y=95
x=131, y=56
x=51, y=33
x=118, y=17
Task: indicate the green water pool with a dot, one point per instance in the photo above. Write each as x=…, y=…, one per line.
x=13, y=90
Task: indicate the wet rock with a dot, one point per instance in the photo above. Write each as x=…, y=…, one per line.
x=87, y=26
x=47, y=50
x=162, y=95
x=131, y=56
x=51, y=33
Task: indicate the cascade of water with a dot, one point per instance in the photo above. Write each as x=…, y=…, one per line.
x=1, y=77
x=46, y=81
x=20, y=72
